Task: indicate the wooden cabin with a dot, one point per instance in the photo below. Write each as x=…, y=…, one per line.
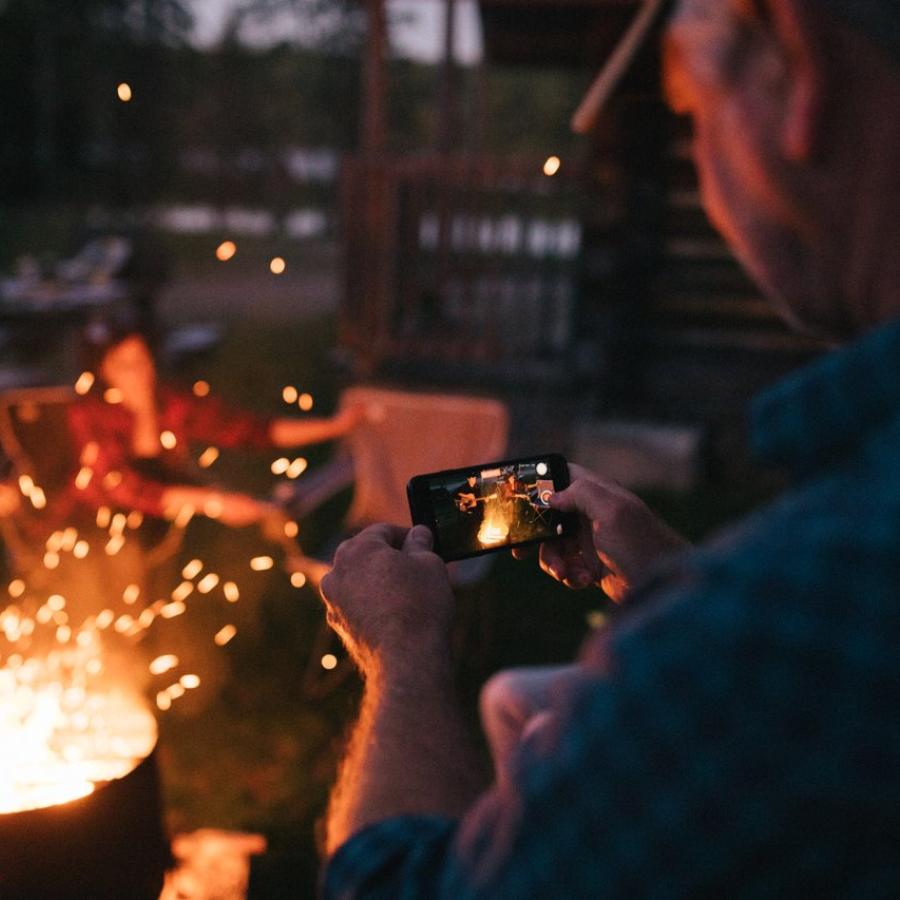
x=605, y=284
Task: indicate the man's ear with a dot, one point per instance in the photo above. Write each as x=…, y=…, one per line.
x=798, y=32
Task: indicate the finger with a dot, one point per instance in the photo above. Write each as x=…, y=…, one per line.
x=576, y=471
x=595, y=500
x=552, y=561
x=521, y=553
x=374, y=537
x=384, y=533
x=561, y=560
x=567, y=564
x=418, y=539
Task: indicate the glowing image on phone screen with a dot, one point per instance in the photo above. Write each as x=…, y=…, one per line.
x=491, y=508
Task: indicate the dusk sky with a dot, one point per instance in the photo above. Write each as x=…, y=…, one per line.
x=417, y=32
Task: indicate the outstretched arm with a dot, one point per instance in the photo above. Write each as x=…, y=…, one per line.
x=389, y=598
x=287, y=432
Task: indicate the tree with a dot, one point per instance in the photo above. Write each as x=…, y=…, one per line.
x=53, y=55
x=329, y=26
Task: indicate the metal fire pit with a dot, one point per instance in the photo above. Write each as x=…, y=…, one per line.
x=110, y=844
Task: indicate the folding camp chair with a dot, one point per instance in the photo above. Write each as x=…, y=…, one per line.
x=35, y=438
x=403, y=434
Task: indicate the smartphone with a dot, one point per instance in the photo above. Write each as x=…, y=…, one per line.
x=490, y=507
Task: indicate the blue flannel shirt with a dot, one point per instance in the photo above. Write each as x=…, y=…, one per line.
x=736, y=732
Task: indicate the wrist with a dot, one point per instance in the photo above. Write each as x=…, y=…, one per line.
x=410, y=672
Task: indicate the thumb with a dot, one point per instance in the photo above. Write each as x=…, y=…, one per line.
x=590, y=499
x=565, y=500
x=417, y=539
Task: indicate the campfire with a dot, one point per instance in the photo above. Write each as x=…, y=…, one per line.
x=65, y=728
x=494, y=527
x=81, y=664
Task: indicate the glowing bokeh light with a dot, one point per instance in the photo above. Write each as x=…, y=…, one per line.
x=85, y=383
x=226, y=251
x=298, y=579
x=552, y=165
x=124, y=92
x=192, y=569
x=208, y=457
x=277, y=266
x=224, y=635
x=163, y=664
x=207, y=583
x=296, y=468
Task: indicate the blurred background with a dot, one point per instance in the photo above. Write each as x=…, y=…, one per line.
x=300, y=197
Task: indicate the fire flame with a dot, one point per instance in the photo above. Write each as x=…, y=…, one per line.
x=63, y=731
x=494, y=528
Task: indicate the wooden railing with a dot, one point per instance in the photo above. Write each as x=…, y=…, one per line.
x=462, y=268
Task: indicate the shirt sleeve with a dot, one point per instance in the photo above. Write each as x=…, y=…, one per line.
x=209, y=420
x=104, y=453
x=706, y=761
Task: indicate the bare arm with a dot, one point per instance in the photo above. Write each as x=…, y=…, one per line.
x=409, y=753
x=229, y=507
x=287, y=432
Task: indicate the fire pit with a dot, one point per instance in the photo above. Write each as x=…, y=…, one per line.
x=108, y=844
x=80, y=809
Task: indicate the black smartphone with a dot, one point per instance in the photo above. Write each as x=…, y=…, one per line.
x=489, y=507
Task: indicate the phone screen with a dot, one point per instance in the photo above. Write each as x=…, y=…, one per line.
x=476, y=510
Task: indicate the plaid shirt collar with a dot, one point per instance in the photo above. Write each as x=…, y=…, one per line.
x=829, y=408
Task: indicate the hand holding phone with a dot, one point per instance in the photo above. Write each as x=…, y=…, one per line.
x=616, y=539
x=490, y=507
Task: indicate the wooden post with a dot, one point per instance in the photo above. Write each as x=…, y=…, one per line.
x=449, y=115
x=371, y=246
x=373, y=138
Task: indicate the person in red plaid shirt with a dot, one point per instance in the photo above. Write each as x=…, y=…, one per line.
x=137, y=438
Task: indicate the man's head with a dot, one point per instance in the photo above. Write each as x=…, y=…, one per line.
x=796, y=113
x=796, y=147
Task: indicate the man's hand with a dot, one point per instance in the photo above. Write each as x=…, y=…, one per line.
x=389, y=598
x=617, y=540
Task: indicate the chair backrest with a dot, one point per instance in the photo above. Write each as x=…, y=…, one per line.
x=406, y=434
x=35, y=437
x=34, y=434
